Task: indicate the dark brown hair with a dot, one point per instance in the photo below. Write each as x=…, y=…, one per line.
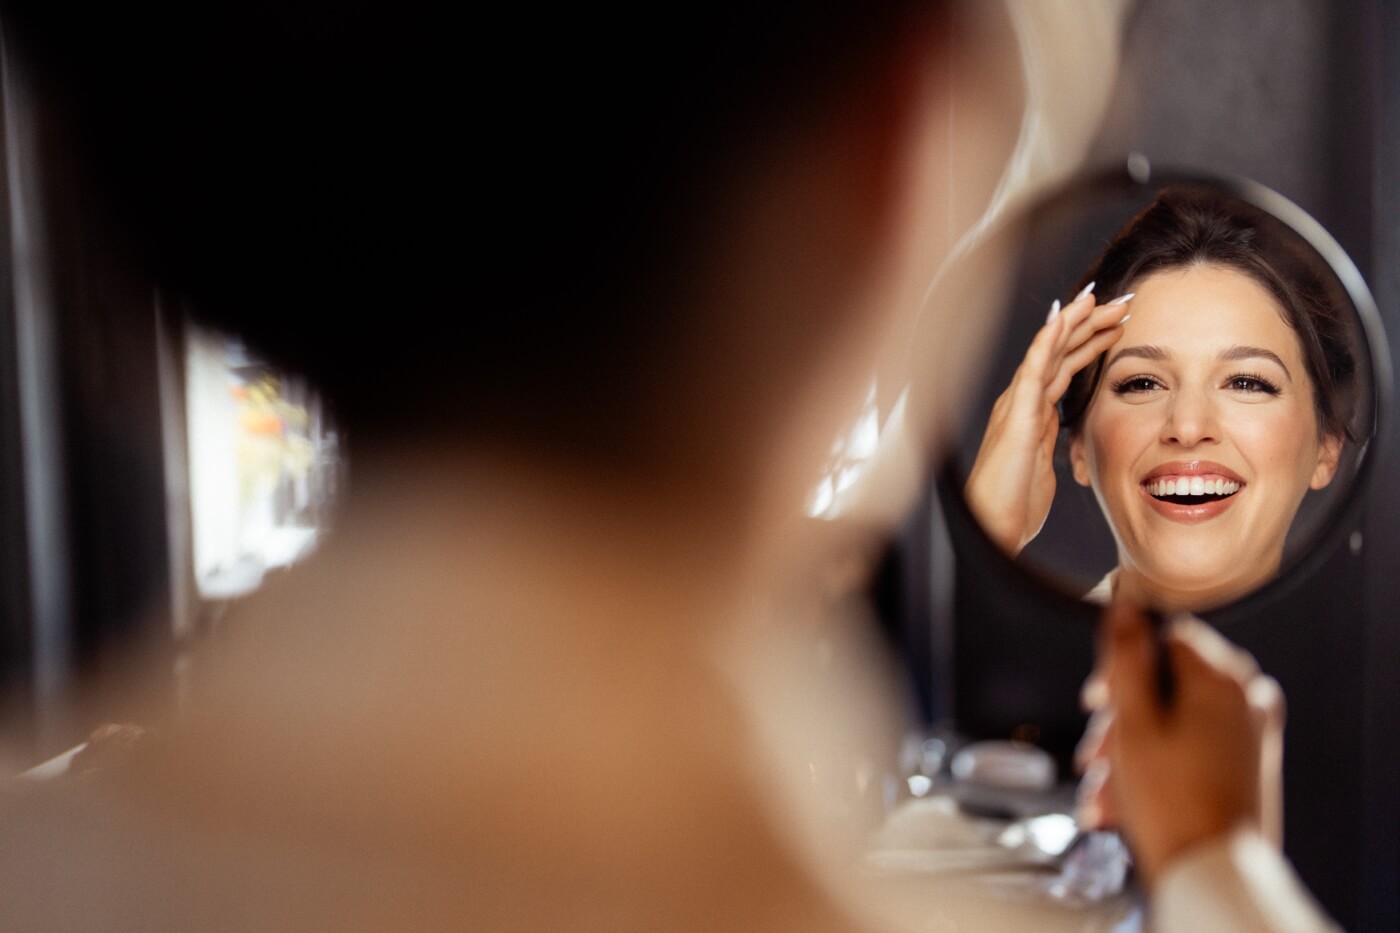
x=311, y=177
x=1191, y=225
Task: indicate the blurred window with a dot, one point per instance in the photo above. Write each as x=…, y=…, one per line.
x=264, y=465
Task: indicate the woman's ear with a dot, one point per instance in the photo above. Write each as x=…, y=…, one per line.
x=1328, y=453
x=1078, y=461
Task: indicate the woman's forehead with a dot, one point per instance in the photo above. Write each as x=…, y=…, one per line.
x=1206, y=309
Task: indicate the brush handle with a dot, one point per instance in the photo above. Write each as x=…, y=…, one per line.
x=1166, y=677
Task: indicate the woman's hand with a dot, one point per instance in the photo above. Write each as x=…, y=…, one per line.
x=1012, y=482
x=1172, y=776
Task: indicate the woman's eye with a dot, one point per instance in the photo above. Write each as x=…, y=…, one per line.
x=1135, y=384
x=1252, y=384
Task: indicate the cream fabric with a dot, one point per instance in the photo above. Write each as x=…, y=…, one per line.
x=1102, y=592
x=1239, y=882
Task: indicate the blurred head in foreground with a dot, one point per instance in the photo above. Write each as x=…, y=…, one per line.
x=592, y=295
x=553, y=232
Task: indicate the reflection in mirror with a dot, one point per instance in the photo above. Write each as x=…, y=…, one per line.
x=1185, y=396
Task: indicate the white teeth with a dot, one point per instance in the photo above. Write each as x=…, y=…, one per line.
x=1193, y=486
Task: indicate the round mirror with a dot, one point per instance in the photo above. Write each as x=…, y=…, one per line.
x=1185, y=400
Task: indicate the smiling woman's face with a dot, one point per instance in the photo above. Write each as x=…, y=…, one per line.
x=1202, y=438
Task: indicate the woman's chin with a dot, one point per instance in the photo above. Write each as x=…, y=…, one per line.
x=1196, y=585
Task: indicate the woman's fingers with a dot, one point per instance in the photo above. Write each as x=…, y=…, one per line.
x=1091, y=744
x=1267, y=705
x=1189, y=770
x=1071, y=338
x=1086, y=330
x=1093, y=802
x=1074, y=317
x=1097, y=318
x=1056, y=383
x=1044, y=347
x=1211, y=651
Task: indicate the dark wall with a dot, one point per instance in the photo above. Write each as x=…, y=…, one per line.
x=1380, y=801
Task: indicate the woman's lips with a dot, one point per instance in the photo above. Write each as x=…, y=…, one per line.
x=1191, y=478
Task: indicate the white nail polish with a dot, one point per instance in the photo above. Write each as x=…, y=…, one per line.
x=1084, y=291
x=1121, y=300
x=1094, y=694
x=1125, y=320
x=1054, y=311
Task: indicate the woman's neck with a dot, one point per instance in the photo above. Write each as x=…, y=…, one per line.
x=548, y=535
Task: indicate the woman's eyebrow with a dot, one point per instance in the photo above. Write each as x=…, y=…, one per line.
x=1235, y=353
x=1245, y=353
x=1145, y=352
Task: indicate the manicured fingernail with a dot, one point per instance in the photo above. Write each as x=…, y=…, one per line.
x=1095, y=776
x=1088, y=754
x=1125, y=320
x=1054, y=311
x=1179, y=623
x=1121, y=300
x=1084, y=291
x=1094, y=694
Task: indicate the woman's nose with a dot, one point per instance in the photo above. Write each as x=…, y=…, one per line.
x=1191, y=420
